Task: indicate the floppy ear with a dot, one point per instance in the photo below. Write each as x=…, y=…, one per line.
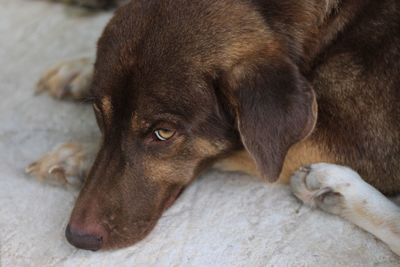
x=275, y=108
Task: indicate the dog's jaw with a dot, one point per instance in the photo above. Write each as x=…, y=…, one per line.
x=174, y=196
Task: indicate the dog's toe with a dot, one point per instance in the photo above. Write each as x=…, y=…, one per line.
x=340, y=190
x=70, y=79
x=330, y=187
x=67, y=164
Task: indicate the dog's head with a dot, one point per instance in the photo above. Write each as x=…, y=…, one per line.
x=176, y=86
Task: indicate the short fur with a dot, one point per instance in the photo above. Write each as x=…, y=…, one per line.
x=274, y=84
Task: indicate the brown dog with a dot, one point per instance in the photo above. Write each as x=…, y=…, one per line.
x=181, y=85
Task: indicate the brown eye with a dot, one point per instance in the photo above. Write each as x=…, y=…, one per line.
x=163, y=134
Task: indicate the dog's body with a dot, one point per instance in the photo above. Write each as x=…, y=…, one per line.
x=246, y=78
x=355, y=75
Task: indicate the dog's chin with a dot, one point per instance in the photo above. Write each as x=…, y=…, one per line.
x=121, y=239
x=173, y=197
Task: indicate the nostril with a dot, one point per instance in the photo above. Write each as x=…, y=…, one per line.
x=84, y=239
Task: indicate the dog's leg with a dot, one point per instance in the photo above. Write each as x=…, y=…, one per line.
x=67, y=164
x=341, y=191
x=69, y=79
x=237, y=162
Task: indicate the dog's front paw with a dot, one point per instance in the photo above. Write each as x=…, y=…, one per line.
x=340, y=190
x=70, y=79
x=66, y=164
x=332, y=188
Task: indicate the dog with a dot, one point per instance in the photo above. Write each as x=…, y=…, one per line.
x=300, y=92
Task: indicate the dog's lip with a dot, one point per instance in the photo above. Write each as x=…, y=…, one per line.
x=174, y=196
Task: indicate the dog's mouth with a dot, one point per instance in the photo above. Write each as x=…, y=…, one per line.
x=94, y=236
x=173, y=197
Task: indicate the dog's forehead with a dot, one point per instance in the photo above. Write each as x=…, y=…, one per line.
x=166, y=36
x=183, y=102
x=147, y=104
x=162, y=89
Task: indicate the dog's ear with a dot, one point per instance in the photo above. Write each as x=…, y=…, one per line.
x=275, y=108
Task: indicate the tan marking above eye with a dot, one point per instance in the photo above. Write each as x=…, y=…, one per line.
x=164, y=134
x=106, y=105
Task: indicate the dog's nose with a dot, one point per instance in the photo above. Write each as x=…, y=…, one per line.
x=85, y=239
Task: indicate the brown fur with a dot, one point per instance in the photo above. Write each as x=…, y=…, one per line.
x=231, y=75
x=300, y=154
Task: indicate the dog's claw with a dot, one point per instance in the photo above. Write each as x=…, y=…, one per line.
x=305, y=169
x=55, y=168
x=30, y=168
x=58, y=173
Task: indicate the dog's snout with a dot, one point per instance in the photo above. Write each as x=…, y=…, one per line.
x=82, y=238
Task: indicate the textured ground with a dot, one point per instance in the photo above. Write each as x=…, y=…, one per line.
x=221, y=220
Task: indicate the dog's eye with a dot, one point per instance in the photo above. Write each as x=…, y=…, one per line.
x=99, y=117
x=96, y=108
x=163, y=134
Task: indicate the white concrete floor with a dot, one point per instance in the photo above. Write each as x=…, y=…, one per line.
x=221, y=220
